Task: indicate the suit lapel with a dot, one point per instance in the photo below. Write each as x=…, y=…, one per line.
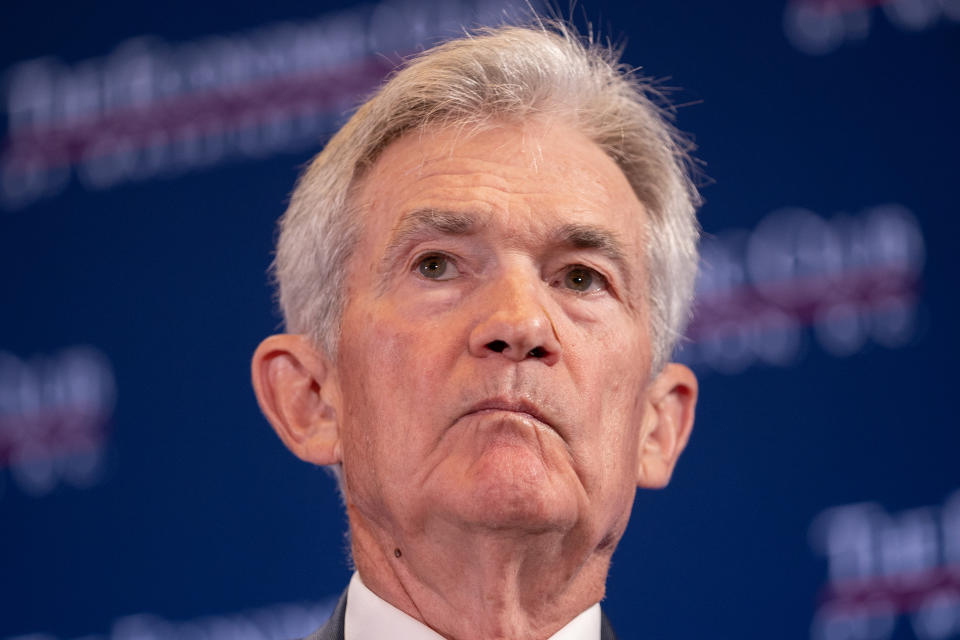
x=333, y=628
x=606, y=629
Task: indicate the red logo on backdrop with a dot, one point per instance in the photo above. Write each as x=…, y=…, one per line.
x=843, y=283
x=152, y=109
x=55, y=415
x=884, y=568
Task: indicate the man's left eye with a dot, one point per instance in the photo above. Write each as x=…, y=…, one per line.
x=583, y=279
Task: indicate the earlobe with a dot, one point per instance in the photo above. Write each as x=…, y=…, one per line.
x=671, y=404
x=296, y=389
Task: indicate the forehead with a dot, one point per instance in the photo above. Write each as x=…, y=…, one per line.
x=521, y=179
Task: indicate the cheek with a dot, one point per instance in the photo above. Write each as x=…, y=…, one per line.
x=609, y=358
x=391, y=368
x=613, y=365
x=403, y=351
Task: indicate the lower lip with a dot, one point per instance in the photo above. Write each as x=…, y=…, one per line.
x=507, y=412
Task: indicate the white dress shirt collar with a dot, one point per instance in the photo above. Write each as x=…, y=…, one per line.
x=369, y=617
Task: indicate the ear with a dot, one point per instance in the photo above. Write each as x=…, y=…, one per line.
x=297, y=393
x=671, y=400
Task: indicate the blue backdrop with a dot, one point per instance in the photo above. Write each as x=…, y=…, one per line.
x=147, y=152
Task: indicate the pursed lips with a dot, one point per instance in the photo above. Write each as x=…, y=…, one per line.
x=513, y=406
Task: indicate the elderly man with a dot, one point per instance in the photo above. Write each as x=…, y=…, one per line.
x=483, y=275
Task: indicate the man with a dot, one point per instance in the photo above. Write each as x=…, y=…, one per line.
x=483, y=275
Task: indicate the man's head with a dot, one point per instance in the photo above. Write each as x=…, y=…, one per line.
x=483, y=345
x=506, y=75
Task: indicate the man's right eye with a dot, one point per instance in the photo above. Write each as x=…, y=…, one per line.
x=437, y=267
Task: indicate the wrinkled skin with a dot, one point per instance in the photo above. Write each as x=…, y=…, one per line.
x=492, y=401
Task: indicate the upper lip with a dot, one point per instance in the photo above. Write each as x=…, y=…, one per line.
x=516, y=406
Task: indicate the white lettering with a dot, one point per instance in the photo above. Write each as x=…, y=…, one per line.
x=819, y=27
x=852, y=278
x=938, y=617
x=53, y=416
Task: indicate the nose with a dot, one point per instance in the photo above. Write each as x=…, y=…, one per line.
x=514, y=323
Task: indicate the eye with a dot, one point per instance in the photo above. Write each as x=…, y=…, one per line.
x=583, y=279
x=437, y=267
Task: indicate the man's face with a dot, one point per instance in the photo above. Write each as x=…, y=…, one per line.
x=495, y=354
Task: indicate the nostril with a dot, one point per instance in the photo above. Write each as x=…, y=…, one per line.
x=497, y=345
x=537, y=352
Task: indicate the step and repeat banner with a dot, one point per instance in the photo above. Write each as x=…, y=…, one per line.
x=147, y=151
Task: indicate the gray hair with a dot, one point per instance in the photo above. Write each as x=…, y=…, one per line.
x=507, y=73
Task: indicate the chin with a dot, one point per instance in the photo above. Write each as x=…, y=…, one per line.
x=512, y=488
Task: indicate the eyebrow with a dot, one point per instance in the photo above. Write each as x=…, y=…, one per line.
x=422, y=223
x=430, y=221
x=603, y=241
x=585, y=236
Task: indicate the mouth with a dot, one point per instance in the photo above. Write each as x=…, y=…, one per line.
x=521, y=407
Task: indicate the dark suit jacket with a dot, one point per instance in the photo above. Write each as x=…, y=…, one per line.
x=333, y=629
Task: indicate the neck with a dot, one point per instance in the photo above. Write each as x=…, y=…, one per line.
x=468, y=582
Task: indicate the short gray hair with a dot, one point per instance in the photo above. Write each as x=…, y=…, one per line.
x=508, y=73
